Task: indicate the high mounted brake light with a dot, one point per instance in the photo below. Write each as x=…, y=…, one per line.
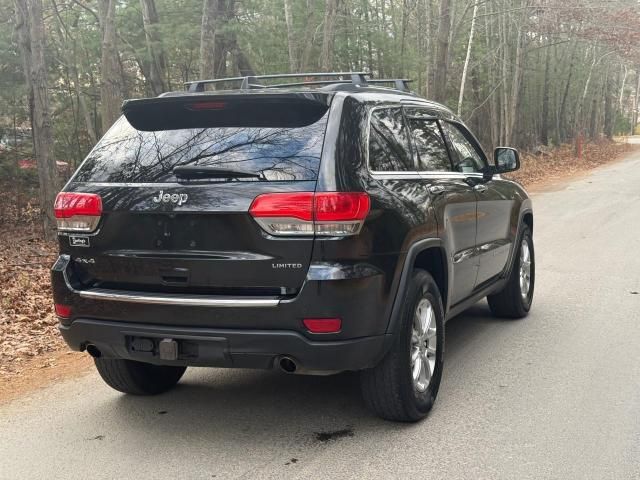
x=77, y=212
x=207, y=106
x=332, y=214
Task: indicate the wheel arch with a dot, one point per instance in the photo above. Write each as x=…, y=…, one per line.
x=527, y=217
x=434, y=260
x=430, y=255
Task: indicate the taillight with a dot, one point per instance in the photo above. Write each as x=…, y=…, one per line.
x=307, y=213
x=77, y=212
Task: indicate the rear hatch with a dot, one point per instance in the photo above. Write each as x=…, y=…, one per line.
x=176, y=177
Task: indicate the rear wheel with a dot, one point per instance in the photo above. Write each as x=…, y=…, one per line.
x=404, y=385
x=138, y=378
x=514, y=300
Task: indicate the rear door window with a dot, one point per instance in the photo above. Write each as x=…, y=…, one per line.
x=127, y=155
x=389, y=149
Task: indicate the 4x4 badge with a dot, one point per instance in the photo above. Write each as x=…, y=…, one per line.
x=171, y=198
x=78, y=241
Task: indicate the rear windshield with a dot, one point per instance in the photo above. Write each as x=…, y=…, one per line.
x=126, y=155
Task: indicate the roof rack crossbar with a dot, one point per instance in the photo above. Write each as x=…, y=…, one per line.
x=312, y=82
x=252, y=81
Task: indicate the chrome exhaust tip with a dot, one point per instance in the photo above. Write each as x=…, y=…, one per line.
x=287, y=364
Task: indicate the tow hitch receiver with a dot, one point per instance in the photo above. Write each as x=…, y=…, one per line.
x=168, y=349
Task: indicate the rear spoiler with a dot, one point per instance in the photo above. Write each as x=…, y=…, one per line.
x=273, y=110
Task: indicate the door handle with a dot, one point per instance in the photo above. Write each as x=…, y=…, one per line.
x=436, y=189
x=480, y=188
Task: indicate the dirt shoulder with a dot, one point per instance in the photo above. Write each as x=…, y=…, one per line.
x=557, y=167
x=42, y=371
x=32, y=353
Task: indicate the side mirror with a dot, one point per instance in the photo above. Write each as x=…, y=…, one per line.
x=506, y=160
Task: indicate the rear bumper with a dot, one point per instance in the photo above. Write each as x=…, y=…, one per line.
x=244, y=332
x=224, y=347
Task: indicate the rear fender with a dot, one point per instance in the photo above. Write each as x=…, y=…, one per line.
x=525, y=209
x=407, y=269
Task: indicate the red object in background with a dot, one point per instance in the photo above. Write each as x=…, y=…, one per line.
x=30, y=164
x=27, y=164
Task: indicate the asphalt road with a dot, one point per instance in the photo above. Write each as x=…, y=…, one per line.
x=556, y=395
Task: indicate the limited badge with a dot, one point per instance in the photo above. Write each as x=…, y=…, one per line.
x=78, y=241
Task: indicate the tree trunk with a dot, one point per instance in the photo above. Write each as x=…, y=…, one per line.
x=467, y=57
x=308, y=38
x=544, y=128
x=111, y=75
x=71, y=58
x=580, y=108
x=593, y=120
x=208, y=38
x=403, y=36
x=516, y=83
x=155, y=48
x=442, y=52
x=622, y=85
x=241, y=62
x=427, y=48
x=563, y=104
x=608, y=107
x=636, y=104
x=367, y=19
x=30, y=23
x=328, y=38
x=24, y=45
x=288, y=16
x=494, y=98
x=214, y=43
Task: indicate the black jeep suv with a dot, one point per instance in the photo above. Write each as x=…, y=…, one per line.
x=315, y=227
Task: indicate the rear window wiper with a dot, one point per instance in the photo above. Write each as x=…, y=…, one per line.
x=196, y=172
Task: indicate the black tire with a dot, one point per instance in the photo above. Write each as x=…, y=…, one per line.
x=137, y=378
x=388, y=388
x=509, y=302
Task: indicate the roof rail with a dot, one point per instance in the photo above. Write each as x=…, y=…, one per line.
x=253, y=81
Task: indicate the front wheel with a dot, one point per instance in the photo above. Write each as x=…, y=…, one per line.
x=514, y=300
x=404, y=385
x=138, y=378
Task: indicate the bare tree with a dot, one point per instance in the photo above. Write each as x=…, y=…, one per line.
x=636, y=102
x=70, y=53
x=288, y=16
x=30, y=29
x=467, y=57
x=217, y=40
x=544, y=126
x=208, y=60
x=111, y=85
x=155, y=48
x=328, y=39
x=442, y=52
